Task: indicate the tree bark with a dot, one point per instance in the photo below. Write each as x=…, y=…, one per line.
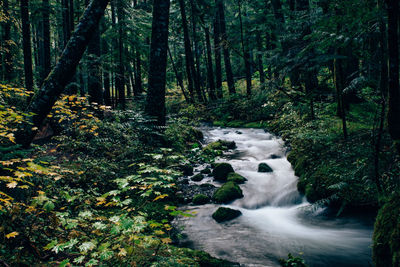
x=46, y=39
x=217, y=55
x=95, y=89
x=394, y=90
x=225, y=48
x=63, y=72
x=260, y=63
x=246, y=55
x=178, y=78
x=210, y=71
x=26, y=44
x=155, y=101
x=190, y=69
x=8, y=59
x=120, y=75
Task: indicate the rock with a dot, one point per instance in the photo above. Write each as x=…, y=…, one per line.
x=225, y=214
x=221, y=171
x=218, y=146
x=236, y=178
x=386, y=238
x=198, y=177
x=206, y=171
x=197, y=134
x=238, y=132
x=228, y=192
x=200, y=199
x=273, y=156
x=264, y=167
x=186, y=169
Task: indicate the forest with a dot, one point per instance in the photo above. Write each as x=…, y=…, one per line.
x=199, y=133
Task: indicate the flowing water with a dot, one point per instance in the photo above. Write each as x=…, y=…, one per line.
x=276, y=219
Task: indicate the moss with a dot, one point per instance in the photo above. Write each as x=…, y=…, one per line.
x=198, y=177
x=221, y=171
x=225, y=214
x=219, y=123
x=227, y=193
x=256, y=124
x=236, y=178
x=200, y=199
x=264, y=167
x=386, y=239
x=220, y=145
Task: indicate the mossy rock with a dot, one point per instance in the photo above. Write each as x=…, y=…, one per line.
x=200, y=199
x=386, y=238
x=221, y=171
x=225, y=214
x=236, y=178
x=186, y=169
x=197, y=134
x=220, y=145
x=264, y=167
x=198, y=177
x=206, y=171
x=228, y=192
x=273, y=156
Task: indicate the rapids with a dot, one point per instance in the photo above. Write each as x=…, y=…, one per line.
x=276, y=219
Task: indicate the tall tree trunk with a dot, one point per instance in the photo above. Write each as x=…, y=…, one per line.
x=210, y=71
x=46, y=39
x=190, y=69
x=217, y=55
x=26, y=43
x=338, y=79
x=63, y=72
x=7, y=44
x=246, y=55
x=138, y=73
x=394, y=90
x=120, y=75
x=95, y=89
x=155, y=101
x=178, y=78
x=225, y=48
x=66, y=21
x=260, y=63
x=197, y=76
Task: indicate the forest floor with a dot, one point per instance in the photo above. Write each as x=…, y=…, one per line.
x=104, y=188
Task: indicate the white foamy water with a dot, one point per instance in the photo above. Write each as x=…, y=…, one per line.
x=276, y=219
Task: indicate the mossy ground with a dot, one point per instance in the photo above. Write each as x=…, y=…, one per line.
x=227, y=193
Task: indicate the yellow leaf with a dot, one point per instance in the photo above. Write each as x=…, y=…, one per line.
x=122, y=252
x=166, y=240
x=12, y=235
x=12, y=184
x=160, y=197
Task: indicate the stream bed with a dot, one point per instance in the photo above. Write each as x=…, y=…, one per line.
x=276, y=219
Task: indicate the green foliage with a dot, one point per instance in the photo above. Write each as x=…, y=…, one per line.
x=292, y=261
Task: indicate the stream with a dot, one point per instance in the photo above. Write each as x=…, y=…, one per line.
x=276, y=219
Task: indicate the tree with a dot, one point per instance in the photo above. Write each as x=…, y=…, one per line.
x=394, y=89
x=225, y=47
x=7, y=44
x=63, y=72
x=26, y=44
x=217, y=55
x=155, y=101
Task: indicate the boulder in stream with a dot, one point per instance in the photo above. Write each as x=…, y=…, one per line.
x=221, y=171
x=228, y=192
x=264, y=167
x=198, y=177
x=236, y=178
x=186, y=169
x=200, y=199
x=225, y=214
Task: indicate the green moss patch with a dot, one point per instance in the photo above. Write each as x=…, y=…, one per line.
x=236, y=178
x=264, y=167
x=198, y=177
x=225, y=214
x=200, y=199
x=221, y=171
x=228, y=193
